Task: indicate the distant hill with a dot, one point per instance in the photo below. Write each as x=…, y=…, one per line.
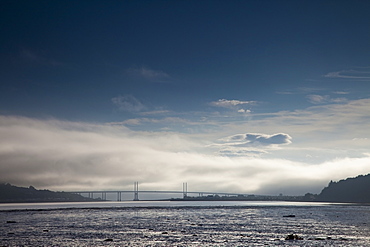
x=11, y=193
x=349, y=190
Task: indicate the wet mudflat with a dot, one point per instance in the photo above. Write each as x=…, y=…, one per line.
x=331, y=225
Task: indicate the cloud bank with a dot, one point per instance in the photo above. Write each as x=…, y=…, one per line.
x=62, y=155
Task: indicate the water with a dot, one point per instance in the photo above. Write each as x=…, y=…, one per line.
x=184, y=224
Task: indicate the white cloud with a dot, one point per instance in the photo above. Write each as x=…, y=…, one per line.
x=235, y=105
x=230, y=103
x=251, y=144
x=317, y=99
x=323, y=99
x=244, y=111
x=128, y=103
x=358, y=74
x=256, y=139
x=341, y=92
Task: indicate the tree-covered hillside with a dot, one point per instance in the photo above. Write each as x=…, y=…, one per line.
x=349, y=190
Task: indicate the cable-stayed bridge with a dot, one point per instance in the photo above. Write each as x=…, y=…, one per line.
x=136, y=192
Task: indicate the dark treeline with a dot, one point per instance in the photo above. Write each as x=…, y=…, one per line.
x=354, y=190
x=347, y=190
x=11, y=193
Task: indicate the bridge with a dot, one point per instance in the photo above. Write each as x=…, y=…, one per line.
x=185, y=193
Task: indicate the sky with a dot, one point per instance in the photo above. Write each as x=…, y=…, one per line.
x=255, y=97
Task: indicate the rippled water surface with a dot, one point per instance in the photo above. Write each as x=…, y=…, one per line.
x=185, y=224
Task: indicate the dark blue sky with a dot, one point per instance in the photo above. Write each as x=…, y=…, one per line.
x=68, y=59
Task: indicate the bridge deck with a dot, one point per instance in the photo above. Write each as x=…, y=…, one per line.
x=155, y=191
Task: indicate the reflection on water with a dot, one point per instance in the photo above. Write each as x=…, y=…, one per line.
x=184, y=224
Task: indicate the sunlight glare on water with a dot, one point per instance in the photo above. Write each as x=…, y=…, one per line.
x=233, y=224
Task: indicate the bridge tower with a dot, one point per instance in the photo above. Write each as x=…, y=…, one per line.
x=136, y=191
x=185, y=189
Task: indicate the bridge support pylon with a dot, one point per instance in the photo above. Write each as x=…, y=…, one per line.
x=136, y=191
x=185, y=190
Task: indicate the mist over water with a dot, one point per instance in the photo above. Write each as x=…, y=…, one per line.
x=185, y=224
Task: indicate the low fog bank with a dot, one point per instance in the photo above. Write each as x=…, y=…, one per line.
x=66, y=156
